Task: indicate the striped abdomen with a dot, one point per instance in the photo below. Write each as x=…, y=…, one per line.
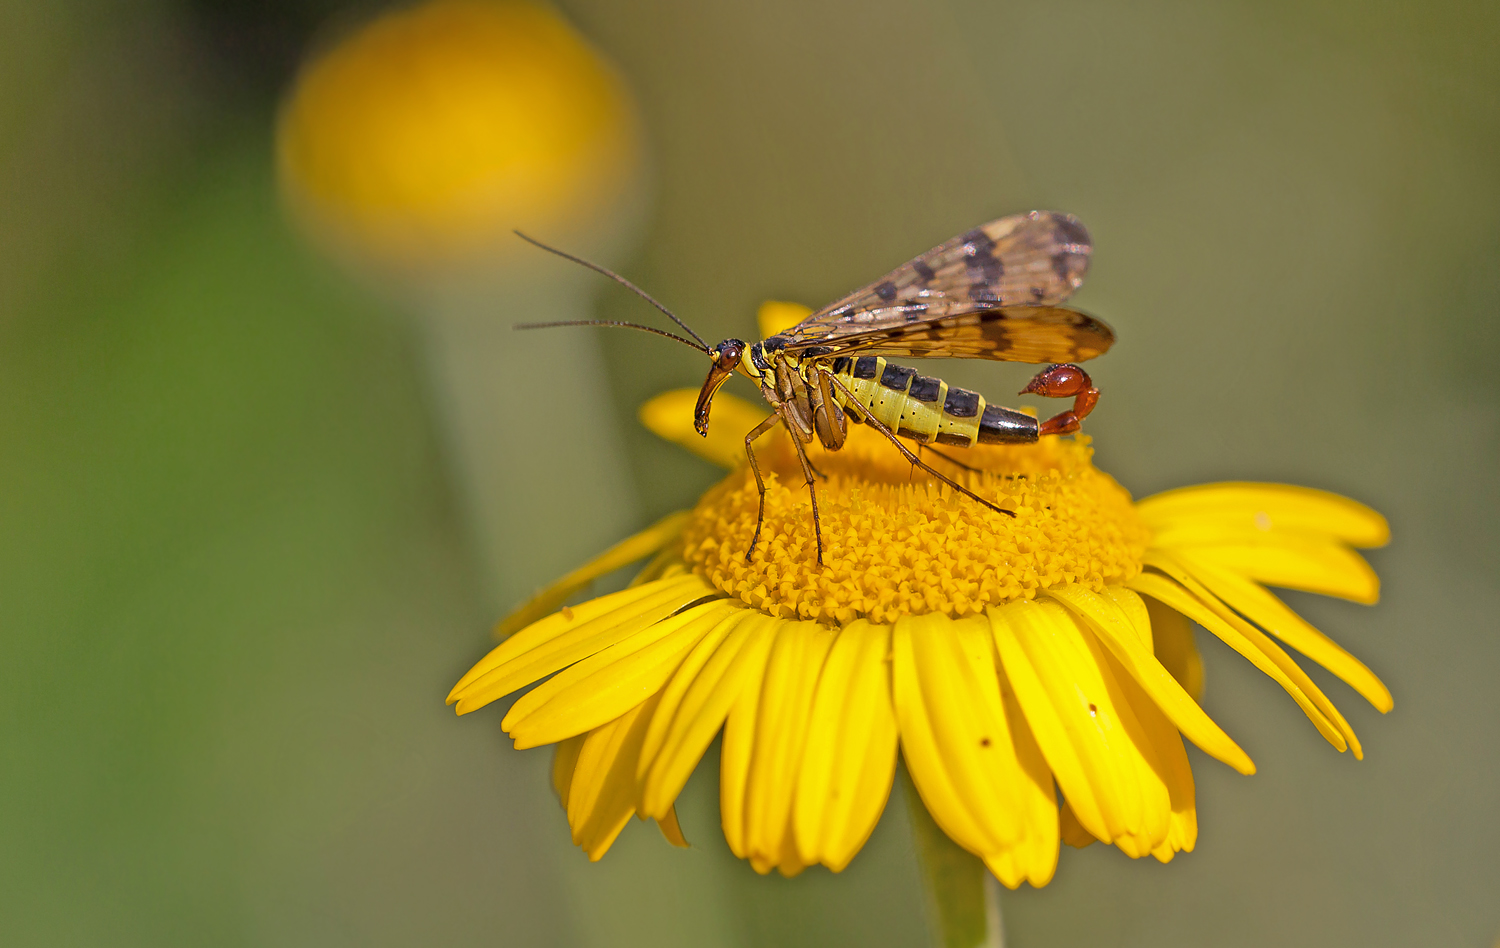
x=926, y=409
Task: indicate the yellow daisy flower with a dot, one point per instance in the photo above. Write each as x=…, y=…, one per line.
x=421, y=140
x=1006, y=659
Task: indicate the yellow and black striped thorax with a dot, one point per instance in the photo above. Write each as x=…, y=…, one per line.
x=927, y=409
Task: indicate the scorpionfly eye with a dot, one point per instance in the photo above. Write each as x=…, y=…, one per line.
x=728, y=353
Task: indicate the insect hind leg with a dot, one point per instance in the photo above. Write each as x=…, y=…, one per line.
x=947, y=457
x=906, y=452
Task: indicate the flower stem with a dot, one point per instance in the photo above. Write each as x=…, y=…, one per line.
x=963, y=899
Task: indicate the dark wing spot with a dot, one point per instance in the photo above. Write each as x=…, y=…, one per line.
x=865, y=367
x=923, y=271
x=983, y=293
x=977, y=243
x=1072, y=230
x=886, y=290
x=984, y=268
x=961, y=403
x=925, y=388
x=897, y=377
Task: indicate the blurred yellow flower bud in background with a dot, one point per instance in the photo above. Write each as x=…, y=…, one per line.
x=429, y=134
x=408, y=150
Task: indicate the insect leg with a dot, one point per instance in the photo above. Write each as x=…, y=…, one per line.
x=760, y=484
x=812, y=491
x=947, y=457
x=797, y=413
x=828, y=418
x=907, y=453
x=1060, y=381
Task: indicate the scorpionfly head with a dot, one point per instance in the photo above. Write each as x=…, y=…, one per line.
x=726, y=356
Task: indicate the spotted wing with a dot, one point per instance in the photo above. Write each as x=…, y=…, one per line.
x=1012, y=334
x=1035, y=259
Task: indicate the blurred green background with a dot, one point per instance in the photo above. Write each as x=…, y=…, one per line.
x=235, y=584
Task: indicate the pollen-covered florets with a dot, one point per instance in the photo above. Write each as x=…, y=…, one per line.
x=895, y=544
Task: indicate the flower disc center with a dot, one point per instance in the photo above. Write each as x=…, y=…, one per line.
x=897, y=541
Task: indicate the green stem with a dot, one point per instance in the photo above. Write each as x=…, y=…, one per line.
x=963, y=899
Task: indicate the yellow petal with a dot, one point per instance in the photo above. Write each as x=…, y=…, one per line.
x=1044, y=721
x=1035, y=858
x=572, y=635
x=608, y=683
x=774, y=317
x=736, y=664
x=546, y=629
x=953, y=671
x=849, y=758
x=920, y=748
x=781, y=725
x=663, y=565
x=1330, y=569
x=671, y=830
x=1172, y=636
x=989, y=756
x=627, y=551
x=1189, y=597
x=564, y=760
x=735, y=753
x=1160, y=739
x=1175, y=596
x=1115, y=630
x=604, y=789
x=734, y=770
x=1270, y=613
x=678, y=686
x=670, y=416
x=1122, y=790
x=1266, y=508
x=1073, y=832
x=1136, y=614
x=970, y=754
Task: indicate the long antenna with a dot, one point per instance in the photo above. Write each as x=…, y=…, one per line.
x=614, y=322
x=622, y=281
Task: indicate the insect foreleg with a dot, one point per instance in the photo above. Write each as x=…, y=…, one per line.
x=906, y=452
x=760, y=484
